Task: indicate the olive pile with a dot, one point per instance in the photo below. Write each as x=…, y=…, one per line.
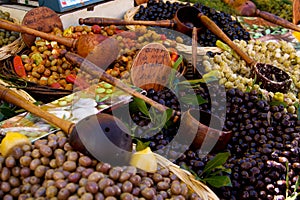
x=7, y=37
x=265, y=138
x=281, y=8
x=51, y=169
x=234, y=73
x=46, y=65
x=166, y=10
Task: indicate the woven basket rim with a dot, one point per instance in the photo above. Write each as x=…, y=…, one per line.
x=13, y=48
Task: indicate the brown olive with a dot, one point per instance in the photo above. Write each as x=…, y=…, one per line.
x=35, y=153
x=5, y=174
x=15, y=192
x=49, y=174
x=60, y=183
x=124, y=176
x=16, y=171
x=8, y=197
x=164, y=172
x=34, y=180
x=157, y=177
x=40, y=142
x=164, y=194
x=178, y=197
x=10, y=162
x=48, y=183
x=148, y=193
x=135, y=180
x=81, y=191
x=92, y=187
x=95, y=176
x=103, y=167
x=53, y=163
x=117, y=189
x=34, y=164
x=73, y=197
x=127, y=186
x=126, y=196
x=63, y=194
x=45, y=161
x=69, y=166
x=111, y=198
x=51, y=191
x=184, y=189
x=5, y=186
x=74, y=177
x=72, y=156
x=109, y=191
x=147, y=181
x=86, y=172
x=25, y=161
x=72, y=187
x=60, y=159
x=99, y=196
x=25, y=188
x=58, y=175
x=80, y=169
x=40, y=171
x=40, y=192
x=114, y=173
x=175, y=188
x=162, y=185
x=87, y=196
x=17, y=152
x=25, y=172
x=131, y=170
x=45, y=150
x=136, y=191
x=14, y=182
x=105, y=182
x=85, y=161
x=62, y=141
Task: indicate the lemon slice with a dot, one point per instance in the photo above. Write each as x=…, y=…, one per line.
x=11, y=140
x=145, y=160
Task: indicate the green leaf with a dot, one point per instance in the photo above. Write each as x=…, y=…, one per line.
x=218, y=181
x=193, y=99
x=141, y=145
x=297, y=184
x=225, y=47
x=173, y=72
x=141, y=105
x=277, y=103
x=206, y=78
x=178, y=62
x=217, y=161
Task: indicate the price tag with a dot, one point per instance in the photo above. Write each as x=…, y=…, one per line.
x=42, y=19
x=151, y=67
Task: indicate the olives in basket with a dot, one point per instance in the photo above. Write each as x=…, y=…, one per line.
x=7, y=37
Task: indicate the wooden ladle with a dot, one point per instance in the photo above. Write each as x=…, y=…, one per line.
x=84, y=45
x=102, y=136
x=271, y=77
x=249, y=9
x=191, y=132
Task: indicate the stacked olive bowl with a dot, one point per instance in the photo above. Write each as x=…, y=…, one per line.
x=264, y=148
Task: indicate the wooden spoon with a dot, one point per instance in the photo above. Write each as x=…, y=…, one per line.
x=84, y=45
x=271, y=77
x=103, y=136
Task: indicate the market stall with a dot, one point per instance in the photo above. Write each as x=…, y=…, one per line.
x=149, y=100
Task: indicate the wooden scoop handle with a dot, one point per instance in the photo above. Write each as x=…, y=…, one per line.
x=102, y=21
x=12, y=97
x=94, y=70
x=276, y=20
x=208, y=23
x=4, y=24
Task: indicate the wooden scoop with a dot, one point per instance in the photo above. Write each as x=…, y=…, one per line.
x=103, y=136
x=192, y=133
x=84, y=45
x=271, y=77
x=248, y=9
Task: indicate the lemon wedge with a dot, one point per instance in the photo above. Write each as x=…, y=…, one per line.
x=145, y=160
x=11, y=140
x=296, y=34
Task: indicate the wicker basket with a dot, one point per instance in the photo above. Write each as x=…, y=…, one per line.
x=12, y=48
x=44, y=94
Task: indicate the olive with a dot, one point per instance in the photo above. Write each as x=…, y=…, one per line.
x=85, y=161
x=92, y=187
x=74, y=177
x=45, y=150
x=5, y=174
x=10, y=162
x=69, y=166
x=127, y=186
x=63, y=194
x=51, y=191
